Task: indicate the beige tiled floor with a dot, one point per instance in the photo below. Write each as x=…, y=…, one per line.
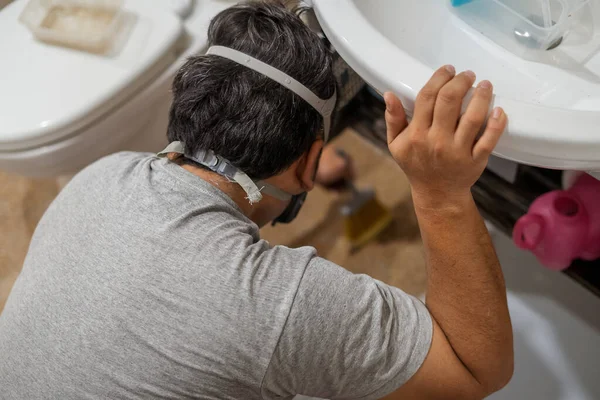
x=395, y=258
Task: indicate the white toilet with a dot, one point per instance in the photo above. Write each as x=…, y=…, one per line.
x=62, y=109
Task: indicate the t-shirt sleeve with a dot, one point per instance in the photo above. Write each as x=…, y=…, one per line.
x=347, y=337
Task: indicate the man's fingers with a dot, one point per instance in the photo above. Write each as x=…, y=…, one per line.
x=449, y=101
x=426, y=99
x=472, y=121
x=488, y=141
x=395, y=117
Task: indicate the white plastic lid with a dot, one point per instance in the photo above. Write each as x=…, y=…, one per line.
x=49, y=92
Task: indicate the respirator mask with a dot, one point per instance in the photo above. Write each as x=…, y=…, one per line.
x=255, y=189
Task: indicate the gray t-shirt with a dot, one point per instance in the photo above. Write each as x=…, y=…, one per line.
x=144, y=281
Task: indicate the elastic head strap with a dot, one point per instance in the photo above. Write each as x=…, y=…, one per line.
x=223, y=167
x=324, y=107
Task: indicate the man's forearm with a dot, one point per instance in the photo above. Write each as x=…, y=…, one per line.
x=466, y=292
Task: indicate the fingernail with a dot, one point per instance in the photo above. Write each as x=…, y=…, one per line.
x=450, y=68
x=485, y=85
x=388, y=103
x=497, y=113
x=470, y=74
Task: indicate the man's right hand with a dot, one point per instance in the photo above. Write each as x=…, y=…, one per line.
x=439, y=150
x=471, y=354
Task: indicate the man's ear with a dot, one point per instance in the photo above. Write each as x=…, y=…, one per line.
x=308, y=173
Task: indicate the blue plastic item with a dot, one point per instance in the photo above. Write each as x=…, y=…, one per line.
x=456, y=3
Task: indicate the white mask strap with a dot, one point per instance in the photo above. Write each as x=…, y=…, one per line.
x=223, y=167
x=324, y=107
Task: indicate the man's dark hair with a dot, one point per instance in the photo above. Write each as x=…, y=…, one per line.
x=243, y=116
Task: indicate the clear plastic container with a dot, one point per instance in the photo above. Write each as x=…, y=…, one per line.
x=89, y=25
x=522, y=26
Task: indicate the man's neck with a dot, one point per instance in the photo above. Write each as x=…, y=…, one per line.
x=231, y=189
x=258, y=212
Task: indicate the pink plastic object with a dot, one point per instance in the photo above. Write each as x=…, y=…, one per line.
x=563, y=225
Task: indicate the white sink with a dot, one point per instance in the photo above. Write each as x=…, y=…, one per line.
x=553, y=105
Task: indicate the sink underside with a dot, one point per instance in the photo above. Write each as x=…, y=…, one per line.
x=553, y=103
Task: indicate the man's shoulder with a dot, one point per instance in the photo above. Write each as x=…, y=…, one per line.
x=338, y=288
x=119, y=160
x=110, y=167
x=342, y=328
x=322, y=272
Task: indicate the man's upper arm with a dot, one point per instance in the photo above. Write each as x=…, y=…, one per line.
x=441, y=377
x=347, y=336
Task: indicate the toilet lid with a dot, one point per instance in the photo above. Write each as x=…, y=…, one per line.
x=49, y=92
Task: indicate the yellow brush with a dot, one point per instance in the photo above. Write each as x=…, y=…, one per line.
x=364, y=216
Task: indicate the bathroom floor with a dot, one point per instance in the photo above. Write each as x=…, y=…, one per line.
x=396, y=257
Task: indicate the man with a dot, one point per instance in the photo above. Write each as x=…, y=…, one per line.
x=147, y=278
